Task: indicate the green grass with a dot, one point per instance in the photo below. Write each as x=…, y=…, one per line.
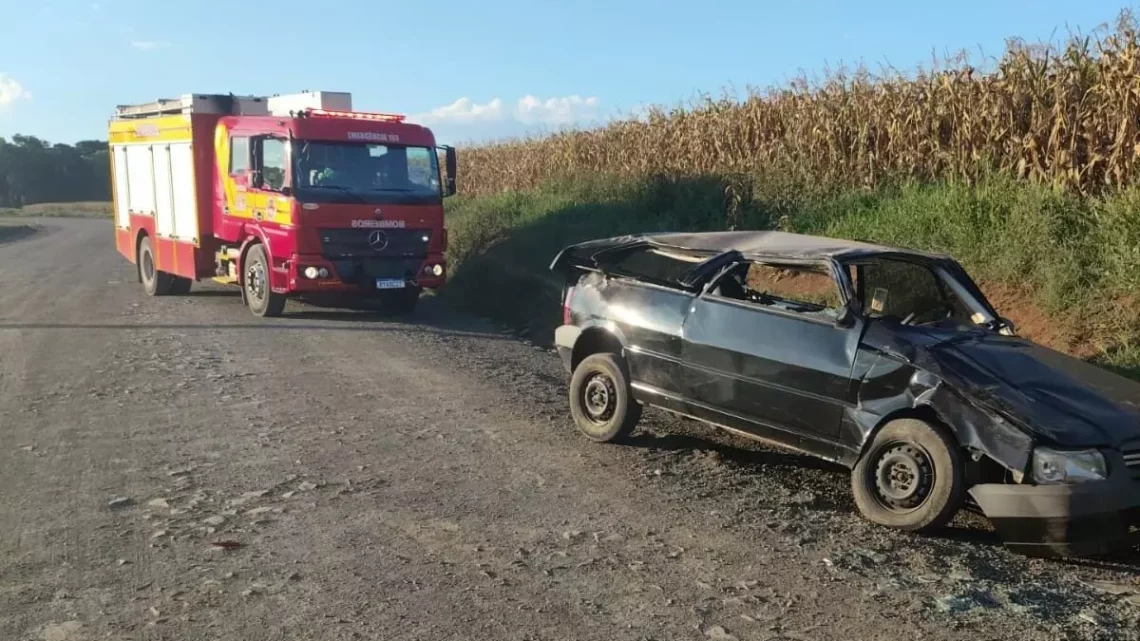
x=1076, y=258
x=61, y=210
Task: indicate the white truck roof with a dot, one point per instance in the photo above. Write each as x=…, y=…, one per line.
x=331, y=100
x=229, y=104
x=194, y=103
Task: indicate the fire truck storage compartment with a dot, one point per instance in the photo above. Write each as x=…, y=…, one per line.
x=157, y=180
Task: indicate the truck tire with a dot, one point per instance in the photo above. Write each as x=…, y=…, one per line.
x=180, y=286
x=155, y=282
x=260, y=298
x=601, y=400
x=911, y=477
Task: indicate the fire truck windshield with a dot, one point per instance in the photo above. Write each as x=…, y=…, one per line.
x=365, y=172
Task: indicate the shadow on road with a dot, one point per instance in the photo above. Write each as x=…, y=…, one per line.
x=289, y=327
x=672, y=442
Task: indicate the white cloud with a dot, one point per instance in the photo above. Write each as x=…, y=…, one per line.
x=467, y=119
x=464, y=111
x=149, y=45
x=557, y=111
x=11, y=91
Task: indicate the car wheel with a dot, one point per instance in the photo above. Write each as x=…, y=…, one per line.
x=155, y=282
x=910, y=477
x=601, y=400
x=259, y=296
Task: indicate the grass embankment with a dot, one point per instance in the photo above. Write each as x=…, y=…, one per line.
x=61, y=210
x=1063, y=267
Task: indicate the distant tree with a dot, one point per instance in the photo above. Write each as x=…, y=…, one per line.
x=35, y=171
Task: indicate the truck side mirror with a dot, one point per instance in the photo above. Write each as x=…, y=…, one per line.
x=452, y=167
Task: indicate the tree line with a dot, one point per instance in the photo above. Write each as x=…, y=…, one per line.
x=35, y=171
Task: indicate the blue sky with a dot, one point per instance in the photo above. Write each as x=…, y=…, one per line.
x=471, y=69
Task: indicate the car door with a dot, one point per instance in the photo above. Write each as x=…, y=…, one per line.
x=773, y=362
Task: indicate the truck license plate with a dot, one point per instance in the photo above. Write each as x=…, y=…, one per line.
x=389, y=283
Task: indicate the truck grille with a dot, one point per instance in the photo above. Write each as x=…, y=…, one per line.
x=358, y=243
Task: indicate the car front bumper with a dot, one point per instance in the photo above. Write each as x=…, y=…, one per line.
x=1086, y=519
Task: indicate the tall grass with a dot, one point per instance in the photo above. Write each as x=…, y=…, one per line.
x=1066, y=116
x=1061, y=265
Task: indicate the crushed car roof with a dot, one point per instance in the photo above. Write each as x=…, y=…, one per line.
x=758, y=243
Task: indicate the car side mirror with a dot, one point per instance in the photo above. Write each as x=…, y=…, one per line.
x=1006, y=326
x=846, y=317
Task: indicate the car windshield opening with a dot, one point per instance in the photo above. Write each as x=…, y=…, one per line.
x=363, y=169
x=909, y=292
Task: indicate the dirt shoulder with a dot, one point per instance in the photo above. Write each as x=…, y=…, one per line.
x=177, y=469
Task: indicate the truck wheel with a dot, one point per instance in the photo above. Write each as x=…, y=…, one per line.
x=180, y=286
x=911, y=477
x=258, y=295
x=155, y=282
x=601, y=400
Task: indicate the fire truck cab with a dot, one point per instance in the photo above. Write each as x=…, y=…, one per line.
x=292, y=196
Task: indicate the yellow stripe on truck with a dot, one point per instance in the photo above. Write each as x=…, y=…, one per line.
x=175, y=128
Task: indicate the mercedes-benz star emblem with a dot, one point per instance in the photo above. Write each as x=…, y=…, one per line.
x=378, y=240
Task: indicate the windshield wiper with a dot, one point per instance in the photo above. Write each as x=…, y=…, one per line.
x=342, y=189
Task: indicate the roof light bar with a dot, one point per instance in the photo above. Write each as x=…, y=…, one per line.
x=357, y=115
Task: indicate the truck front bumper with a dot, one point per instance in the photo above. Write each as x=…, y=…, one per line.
x=1085, y=519
x=359, y=276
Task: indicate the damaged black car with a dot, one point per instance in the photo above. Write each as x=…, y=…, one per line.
x=888, y=361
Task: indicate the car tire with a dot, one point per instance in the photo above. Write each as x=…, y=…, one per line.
x=601, y=400
x=910, y=477
x=259, y=296
x=180, y=286
x=154, y=281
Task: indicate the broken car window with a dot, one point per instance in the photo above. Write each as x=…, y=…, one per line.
x=907, y=291
x=803, y=289
x=652, y=265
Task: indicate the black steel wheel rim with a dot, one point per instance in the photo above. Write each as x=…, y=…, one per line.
x=903, y=476
x=599, y=398
x=255, y=280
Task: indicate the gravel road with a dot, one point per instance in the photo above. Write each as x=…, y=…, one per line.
x=178, y=469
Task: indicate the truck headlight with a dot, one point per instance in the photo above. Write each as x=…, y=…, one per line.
x=1074, y=466
x=312, y=272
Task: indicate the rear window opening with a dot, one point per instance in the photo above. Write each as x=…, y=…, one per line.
x=651, y=264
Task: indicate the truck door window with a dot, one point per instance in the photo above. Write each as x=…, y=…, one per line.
x=239, y=155
x=272, y=163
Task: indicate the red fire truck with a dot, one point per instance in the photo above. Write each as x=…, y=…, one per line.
x=294, y=196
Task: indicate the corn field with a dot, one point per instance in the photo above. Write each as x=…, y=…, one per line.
x=1067, y=115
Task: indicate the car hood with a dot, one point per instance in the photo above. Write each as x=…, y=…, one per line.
x=1063, y=399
